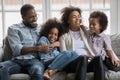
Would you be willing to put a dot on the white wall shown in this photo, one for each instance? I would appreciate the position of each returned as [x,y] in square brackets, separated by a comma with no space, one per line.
[119,16]
[115,18]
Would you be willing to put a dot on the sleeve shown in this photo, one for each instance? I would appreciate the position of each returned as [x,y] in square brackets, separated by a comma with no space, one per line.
[14,41]
[107,43]
[62,44]
[43,40]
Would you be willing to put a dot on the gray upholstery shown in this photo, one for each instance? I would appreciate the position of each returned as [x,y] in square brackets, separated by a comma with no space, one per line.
[110,75]
[20,77]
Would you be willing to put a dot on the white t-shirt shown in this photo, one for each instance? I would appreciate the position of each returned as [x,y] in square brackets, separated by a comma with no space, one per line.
[78,44]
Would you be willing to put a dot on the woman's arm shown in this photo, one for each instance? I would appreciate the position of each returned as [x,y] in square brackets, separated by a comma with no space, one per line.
[56,44]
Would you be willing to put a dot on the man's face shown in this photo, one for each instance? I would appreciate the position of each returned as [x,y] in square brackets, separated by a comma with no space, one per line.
[30,18]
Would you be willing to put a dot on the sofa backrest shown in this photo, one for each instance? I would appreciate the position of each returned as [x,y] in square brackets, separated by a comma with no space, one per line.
[115,42]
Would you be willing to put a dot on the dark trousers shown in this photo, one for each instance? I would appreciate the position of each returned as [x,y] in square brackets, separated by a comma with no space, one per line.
[108,63]
[81,66]
[78,67]
[96,65]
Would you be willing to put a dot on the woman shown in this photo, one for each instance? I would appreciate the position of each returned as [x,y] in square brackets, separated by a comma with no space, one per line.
[75,38]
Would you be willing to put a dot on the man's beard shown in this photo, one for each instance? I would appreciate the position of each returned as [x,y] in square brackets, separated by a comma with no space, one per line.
[29,25]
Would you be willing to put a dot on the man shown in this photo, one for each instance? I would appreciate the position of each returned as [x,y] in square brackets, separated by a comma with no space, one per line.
[22,38]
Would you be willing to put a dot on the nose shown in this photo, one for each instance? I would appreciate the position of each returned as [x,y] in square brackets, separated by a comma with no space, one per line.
[91,26]
[35,18]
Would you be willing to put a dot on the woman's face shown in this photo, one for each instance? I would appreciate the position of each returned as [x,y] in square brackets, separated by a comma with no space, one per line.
[53,35]
[94,25]
[74,20]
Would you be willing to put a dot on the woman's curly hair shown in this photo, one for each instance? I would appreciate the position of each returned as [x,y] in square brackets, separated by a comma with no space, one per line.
[66,11]
[50,24]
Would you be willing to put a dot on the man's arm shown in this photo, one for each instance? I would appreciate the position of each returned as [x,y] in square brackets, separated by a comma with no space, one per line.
[41,48]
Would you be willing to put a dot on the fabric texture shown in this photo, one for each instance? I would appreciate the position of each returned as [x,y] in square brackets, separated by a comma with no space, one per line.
[115,40]
[47,56]
[6,50]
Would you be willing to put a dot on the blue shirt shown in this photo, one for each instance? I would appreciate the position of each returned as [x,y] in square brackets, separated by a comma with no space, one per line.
[47,56]
[20,35]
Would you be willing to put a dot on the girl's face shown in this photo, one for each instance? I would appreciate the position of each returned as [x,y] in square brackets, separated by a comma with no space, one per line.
[74,20]
[94,25]
[53,35]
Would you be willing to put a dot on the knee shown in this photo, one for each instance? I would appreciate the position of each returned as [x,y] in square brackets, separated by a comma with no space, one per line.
[83,57]
[36,69]
[70,54]
[2,67]
[98,59]
[67,54]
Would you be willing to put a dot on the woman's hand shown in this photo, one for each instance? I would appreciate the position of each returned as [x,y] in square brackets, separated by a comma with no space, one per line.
[56,44]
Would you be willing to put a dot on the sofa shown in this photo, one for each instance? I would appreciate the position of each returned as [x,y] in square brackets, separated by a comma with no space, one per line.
[5,54]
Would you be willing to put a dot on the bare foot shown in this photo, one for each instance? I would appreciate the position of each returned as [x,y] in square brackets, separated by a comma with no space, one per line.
[46,75]
[52,72]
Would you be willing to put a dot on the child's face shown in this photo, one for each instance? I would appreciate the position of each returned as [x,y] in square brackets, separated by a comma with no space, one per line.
[53,35]
[94,25]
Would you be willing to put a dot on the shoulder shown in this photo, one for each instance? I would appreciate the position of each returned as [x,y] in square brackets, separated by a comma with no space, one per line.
[16,26]
[105,36]
[66,35]
[43,38]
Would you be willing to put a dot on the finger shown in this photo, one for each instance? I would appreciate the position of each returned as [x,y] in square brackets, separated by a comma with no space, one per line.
[113,62]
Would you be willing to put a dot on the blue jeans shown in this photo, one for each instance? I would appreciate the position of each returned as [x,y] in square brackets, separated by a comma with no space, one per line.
[63,59]
[33,67]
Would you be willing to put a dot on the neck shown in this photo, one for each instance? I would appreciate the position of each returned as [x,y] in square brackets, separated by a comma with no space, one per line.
[74,28]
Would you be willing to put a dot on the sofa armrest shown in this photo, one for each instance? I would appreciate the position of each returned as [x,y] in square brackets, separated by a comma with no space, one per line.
[1,53]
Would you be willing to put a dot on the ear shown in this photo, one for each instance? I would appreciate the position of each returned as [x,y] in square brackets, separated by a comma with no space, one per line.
[23,17]
[68,21]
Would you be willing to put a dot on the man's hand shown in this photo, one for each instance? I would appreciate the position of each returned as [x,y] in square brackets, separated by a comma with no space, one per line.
[44,48]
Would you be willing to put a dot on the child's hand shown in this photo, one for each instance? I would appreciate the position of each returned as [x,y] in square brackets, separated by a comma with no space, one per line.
[118,62]
[115,62]
[90,56]
[56,44]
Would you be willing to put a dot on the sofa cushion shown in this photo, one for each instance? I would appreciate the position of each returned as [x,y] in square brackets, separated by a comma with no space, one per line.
[112,75]
[71,76]
[59,76]
[20,77]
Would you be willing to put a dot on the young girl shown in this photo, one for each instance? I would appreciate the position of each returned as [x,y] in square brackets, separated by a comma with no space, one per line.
[54,60]
[101,42]
[49,34]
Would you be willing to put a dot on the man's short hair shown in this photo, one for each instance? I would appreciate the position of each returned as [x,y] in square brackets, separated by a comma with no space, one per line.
[25,8]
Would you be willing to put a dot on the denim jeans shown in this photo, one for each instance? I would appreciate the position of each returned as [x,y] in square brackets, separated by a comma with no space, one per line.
[33,67]
[63,59]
